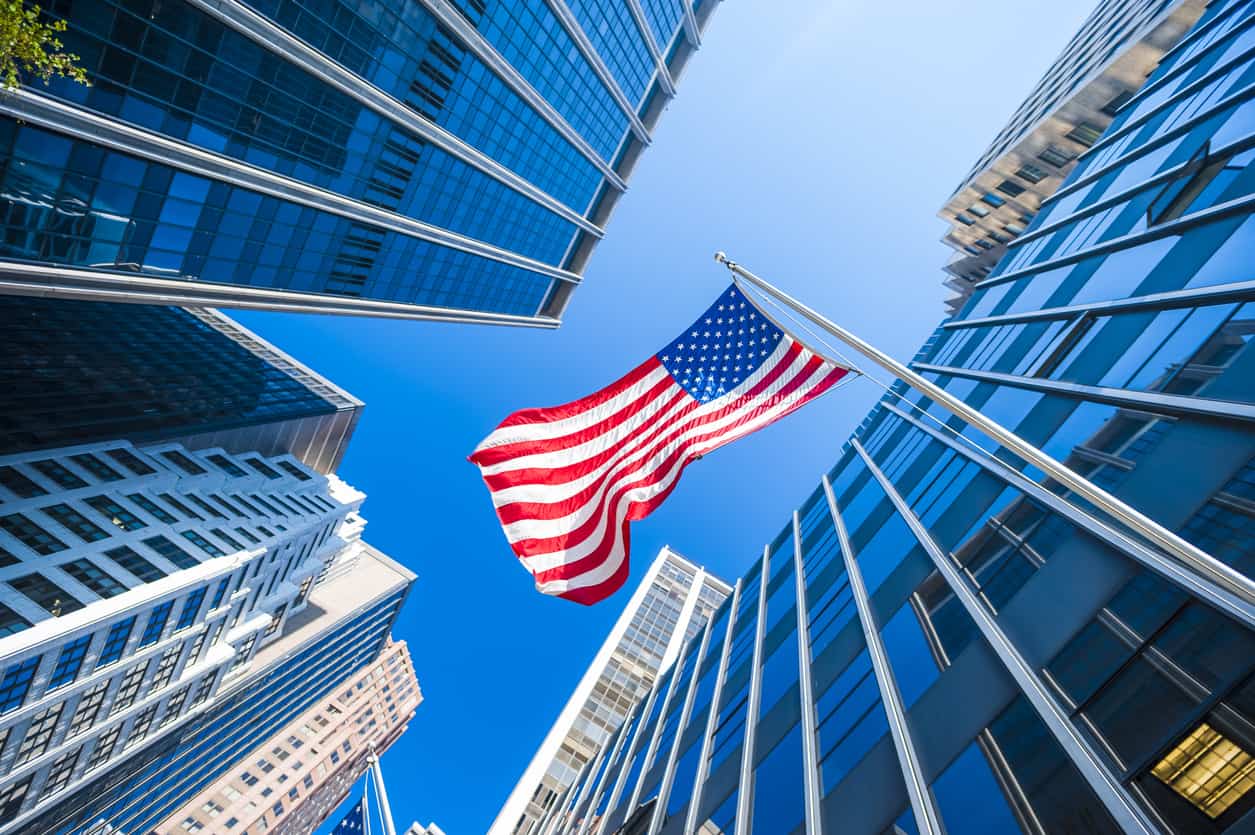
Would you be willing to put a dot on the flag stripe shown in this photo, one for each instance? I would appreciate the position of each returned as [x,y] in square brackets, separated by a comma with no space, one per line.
[568,481]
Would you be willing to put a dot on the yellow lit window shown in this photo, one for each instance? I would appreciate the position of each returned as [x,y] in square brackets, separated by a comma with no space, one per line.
[1208,769]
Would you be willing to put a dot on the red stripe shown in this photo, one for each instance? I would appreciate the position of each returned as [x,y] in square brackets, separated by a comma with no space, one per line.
[613,491]
[548,414]
[516,511]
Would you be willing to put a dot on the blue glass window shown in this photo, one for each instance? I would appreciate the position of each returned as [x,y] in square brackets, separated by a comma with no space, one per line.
[115,642]
[191,607]
[69,662]
[156,623]
[16,682]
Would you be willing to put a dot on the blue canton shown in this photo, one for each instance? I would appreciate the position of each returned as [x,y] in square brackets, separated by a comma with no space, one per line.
[726,345]
[352,822]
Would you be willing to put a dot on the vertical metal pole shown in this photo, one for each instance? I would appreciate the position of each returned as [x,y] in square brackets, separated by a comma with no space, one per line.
[744,800]
[1114,796]
[703,762]
[633,748]
[620,738]
[1199,560]
[927,817]
[809,720]
[385,810]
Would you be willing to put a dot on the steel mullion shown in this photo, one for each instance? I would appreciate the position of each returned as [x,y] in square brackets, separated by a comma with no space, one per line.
[632,750]
[809,721]
[1172,571]
[1114,796]
[652,751]
[927,815]
[703,764]
[744,801]
[668,774]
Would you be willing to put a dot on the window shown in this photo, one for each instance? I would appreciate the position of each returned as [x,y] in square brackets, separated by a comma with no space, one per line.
[96,467]
[56,600]
[202,543]
[76,523]
[293,470]
[38,734]
[227,506]
[174,553]
[16,683]
[135,564]
[247,535]
[304,590]
[129,688]
[152,508]
[69,663]
[221,534]
[31,535]
[978,210]
[115,642]
[260,466]
[61,772]
[1032,173]
[204,689]
[156,623]
[243,502]
[165,668]
[19,484]
[219,593]
[207,507]
[1085,134]
[191,825]
[11,622]
[116,513]
[226,465]
[1055,157]
[180,507]
[131,461]
[993,199]
[88,707]
[242,655]
[87,573]
[248,779]
[104,747]
[191,607]
[1112,107]
[273,509]
[139,729]
[964,219]
[1011,188]
[59,474]
[275,621]
[174,706]
[184,463]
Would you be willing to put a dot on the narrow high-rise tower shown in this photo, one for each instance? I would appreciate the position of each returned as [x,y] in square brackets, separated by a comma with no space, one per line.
[441,159]
[671,605]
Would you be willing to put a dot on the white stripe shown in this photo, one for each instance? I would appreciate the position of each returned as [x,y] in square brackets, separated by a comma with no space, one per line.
[607,568]
[545,562]
[557,428]
[545,528]
[574,455]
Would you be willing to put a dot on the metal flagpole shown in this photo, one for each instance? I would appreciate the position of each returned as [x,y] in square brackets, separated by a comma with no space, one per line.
[1237,593]
[385,810]
[366,806]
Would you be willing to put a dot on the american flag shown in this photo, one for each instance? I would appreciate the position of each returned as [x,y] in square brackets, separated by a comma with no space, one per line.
[567,480]
[351,824]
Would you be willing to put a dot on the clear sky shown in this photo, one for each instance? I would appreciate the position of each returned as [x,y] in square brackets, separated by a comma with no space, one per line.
[814,141]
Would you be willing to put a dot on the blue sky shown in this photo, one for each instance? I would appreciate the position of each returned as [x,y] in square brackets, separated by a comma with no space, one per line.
[815,145]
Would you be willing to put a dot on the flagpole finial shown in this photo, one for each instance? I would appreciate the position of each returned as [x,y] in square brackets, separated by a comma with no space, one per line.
[722,258]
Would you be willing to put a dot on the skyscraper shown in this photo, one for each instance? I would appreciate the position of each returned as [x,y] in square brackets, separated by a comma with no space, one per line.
[444,159]
[160,617]
[671,604]
[940,639]
[75,372]
[1100,69]
[292,781]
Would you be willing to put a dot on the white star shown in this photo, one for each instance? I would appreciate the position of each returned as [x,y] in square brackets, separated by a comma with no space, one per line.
[664,359]
[708,320]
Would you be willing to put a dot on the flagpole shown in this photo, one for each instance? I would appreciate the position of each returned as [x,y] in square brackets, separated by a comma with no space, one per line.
[381,793]
[1236,592]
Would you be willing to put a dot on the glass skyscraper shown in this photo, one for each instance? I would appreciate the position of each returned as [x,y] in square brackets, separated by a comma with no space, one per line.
[447,159]
[76,372]
[942,640]
[674,600]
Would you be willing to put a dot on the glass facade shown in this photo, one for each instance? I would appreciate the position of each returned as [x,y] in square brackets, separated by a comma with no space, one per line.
[74,372]
[941,638]
[417,158]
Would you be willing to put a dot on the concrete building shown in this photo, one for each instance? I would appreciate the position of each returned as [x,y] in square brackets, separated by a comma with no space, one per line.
[291,782]
[159,616]
[74,372]
[434,159]
[1099,70]
[940,639]
[670,606]
[429,829]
